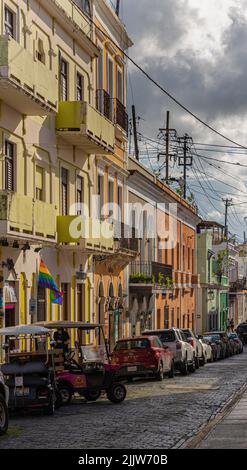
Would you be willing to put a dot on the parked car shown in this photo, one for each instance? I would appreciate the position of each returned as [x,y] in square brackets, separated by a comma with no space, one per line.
[215,337]
[228,347]
[143,356]
[238,343]
[183,352]
[215,344]
[241,330]
[195,343]
[4,397]
[207,350]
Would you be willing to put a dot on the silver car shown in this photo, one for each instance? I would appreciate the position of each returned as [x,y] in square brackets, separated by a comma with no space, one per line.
[4,398]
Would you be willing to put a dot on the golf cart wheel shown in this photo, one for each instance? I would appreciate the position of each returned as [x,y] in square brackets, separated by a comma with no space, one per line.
[3,416]
[116,393]
[92,396]
[65,393]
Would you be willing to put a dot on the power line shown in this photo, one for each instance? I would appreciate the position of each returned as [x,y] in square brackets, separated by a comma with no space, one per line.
[151,79]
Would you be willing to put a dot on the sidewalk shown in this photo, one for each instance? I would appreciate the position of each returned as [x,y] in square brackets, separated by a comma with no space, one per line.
[231,432]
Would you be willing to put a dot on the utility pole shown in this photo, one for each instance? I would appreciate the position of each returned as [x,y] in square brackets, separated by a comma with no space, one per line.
[165,134]
[228,203]
[167,144]
[185,161]
[117,7]
[135,132]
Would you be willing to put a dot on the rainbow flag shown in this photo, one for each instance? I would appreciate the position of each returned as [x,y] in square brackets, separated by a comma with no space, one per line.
[47,282]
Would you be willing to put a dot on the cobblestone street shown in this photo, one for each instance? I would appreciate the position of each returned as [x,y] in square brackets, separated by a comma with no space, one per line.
[154,415]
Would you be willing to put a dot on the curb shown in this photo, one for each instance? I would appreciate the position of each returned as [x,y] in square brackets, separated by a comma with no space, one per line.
[196,438]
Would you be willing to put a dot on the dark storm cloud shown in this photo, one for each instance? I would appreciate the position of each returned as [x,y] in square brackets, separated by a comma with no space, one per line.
[215,88]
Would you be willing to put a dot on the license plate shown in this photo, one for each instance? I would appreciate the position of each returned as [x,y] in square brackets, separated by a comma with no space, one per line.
[19,381]
[22,392]
[132,369]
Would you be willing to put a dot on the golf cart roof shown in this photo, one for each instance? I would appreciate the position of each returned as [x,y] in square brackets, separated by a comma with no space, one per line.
[53,325]
[24,330]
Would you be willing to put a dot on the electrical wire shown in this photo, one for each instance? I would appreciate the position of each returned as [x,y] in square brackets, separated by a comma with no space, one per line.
[167,93]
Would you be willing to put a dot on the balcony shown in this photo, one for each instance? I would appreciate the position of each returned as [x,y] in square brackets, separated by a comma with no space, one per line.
[125,239]
[82,125]
[74,19]
[157,276]
[26,85]
[89,234]
[21,215]
[121,117]
[104,104]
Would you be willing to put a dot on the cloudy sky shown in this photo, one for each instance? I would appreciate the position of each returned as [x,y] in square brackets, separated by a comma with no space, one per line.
[197,50]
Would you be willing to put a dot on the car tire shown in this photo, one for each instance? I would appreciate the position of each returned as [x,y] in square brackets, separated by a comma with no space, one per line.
[3,416]
[197,362]
[192,366]
[203,361]
[184,368]
[170,374]
[50,409]
[92,396]
[66,394]
[116,393]
[160,374]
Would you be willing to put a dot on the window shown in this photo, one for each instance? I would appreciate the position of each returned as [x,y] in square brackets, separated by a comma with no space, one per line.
[41,304]
[178,256]
[64,80]
[120,202]
[65,309]
[84,5]
[120,86]
[100,71]
[41,52]
[100,195]
[80,302]
[79,194]
[110,84]
[188,259]
[79,87]
[9,165]
[9,22]
[110,197]
[39,183]
[64,191]
[132,344]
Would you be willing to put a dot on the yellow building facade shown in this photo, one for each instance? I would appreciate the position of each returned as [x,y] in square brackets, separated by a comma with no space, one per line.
[63,138]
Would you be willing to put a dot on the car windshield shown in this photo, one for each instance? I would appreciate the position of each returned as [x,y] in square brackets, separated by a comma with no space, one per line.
[187,333]
[164,336]
[212,338]
[132,344]
[233,335]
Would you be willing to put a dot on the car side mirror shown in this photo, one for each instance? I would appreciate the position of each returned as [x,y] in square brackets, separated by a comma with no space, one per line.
[166,347]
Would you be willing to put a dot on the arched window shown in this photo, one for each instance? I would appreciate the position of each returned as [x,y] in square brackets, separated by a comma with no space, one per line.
[111,290]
